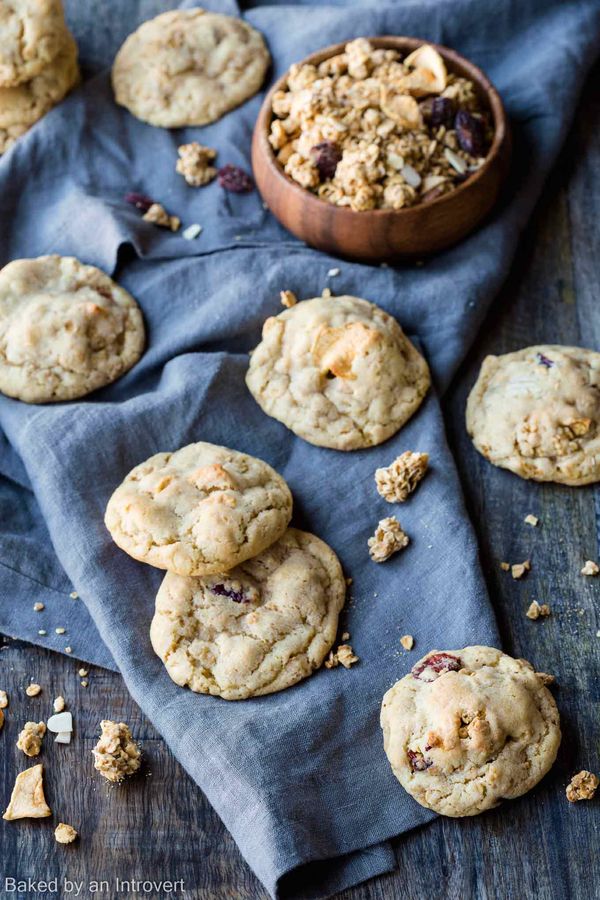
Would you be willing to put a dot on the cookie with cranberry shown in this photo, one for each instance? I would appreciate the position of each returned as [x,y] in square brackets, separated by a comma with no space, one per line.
[259,628]
[537,413]
[469,728]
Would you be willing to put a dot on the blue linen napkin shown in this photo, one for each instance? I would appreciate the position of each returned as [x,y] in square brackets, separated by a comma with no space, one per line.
[299,777]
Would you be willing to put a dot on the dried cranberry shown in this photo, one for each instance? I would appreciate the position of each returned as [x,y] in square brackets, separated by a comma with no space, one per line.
[326,155]
[418,763]
[437,111]
[236,596]
[234,179]
[140,201]
[544,361]
[470,133]
[435,665]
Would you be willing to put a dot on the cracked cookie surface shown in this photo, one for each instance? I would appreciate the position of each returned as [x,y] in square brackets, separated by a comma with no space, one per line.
[469,728]
[189,67]
[537,413]
[199,510]
[65,329]
[33,32]
[259,628]
[21,106]
[338,371]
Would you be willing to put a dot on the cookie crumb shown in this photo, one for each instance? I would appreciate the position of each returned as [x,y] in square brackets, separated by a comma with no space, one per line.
[346,636]
[84,683]
[333,273]
[27,800]
[536,610]
[387,540]
[3,699]
[82,673]
[74,595]
[401,477]
[407,641]
[194,164]
[32,690]
[158,215]
[531,520]
[344,655]
[192,231]
[60,630]
[30,738]
[42,632]
[348,582]
[38,607]
[64,834]
[518,570]
[326,293]
[116,755]
[288,299]
[590,568]
[59,704]
[545,678]
[68,649]
[505,566]
[582,786]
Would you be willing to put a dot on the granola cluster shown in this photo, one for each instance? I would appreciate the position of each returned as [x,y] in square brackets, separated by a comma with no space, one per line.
[400,478]
[582,786]
[30,738]
[368,129]
[195,163]
[388,539]
[116,755]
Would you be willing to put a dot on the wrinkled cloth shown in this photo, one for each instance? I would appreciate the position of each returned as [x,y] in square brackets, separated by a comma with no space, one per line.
[299,777]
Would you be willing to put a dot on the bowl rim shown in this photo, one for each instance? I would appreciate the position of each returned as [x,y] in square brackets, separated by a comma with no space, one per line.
[407,43]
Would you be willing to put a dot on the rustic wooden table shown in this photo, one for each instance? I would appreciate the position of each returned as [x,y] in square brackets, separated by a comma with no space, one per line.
[161,827]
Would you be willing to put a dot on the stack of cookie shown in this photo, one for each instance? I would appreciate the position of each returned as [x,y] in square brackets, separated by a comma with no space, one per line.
[248,606]
[38,64]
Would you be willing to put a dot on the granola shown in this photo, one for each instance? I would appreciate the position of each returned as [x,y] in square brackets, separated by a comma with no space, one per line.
[158,215]
[537,610]
[344,655]
[116,755]
[407,641]
[369,129]
[194,163]
[32,690]
[30,738]
[401,477]
[387,540]
[582,786]
[64,834]
[519,570]
[590,568]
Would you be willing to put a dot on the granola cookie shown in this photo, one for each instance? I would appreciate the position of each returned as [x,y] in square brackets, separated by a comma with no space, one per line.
[260,628]
[199,510]
[338,371]
[65,329]
[537,413]
[189,67]
[33,32]
[21,106]
[469,728]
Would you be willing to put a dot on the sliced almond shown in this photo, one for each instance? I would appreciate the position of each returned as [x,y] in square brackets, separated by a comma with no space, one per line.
[60,722]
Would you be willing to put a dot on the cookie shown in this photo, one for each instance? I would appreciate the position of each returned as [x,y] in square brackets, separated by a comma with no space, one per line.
[33,32]
[189,67]
[469,728]
[259,628]
[199,510]
[65,329]
[23,105]
[537,413]
[338,371]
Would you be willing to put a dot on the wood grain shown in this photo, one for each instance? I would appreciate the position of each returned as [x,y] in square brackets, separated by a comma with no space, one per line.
[160,826]
[382,234]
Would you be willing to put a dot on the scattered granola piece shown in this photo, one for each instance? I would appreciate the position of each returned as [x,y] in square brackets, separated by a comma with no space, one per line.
[518,570]
[158,215]
[326,293]
[590,568]
[348,582]
[194,163]
[3,699]
[401,477]
[288,298]
[83,672]
[344,655]
[42,632]
[333,273]
[30,738]
[191,232]
[27,800]
[388,539]
[68,649]
[536,610]
[32,690]
[116,755]
[545,678]
[38,607]
[346,636]
[59,704]
[65,834]
[531,520]
[84,683]
[582,786]
[505,566]
[74,595]
[60,630]
[407,641]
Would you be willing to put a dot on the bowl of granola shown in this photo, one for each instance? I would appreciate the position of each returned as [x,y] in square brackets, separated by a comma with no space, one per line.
[381,148]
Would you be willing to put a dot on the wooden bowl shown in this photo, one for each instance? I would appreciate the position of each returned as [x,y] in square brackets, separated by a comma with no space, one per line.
[379,234]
